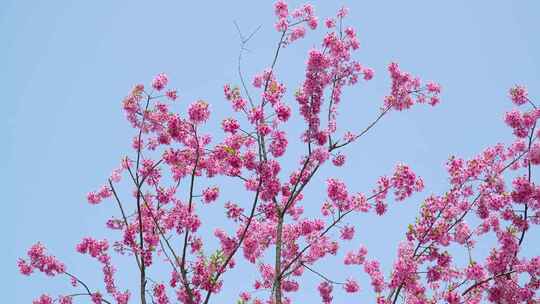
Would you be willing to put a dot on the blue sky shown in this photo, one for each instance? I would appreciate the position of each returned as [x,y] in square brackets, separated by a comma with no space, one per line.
[66,65]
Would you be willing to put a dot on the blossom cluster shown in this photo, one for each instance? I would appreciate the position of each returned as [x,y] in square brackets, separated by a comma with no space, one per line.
[174,172]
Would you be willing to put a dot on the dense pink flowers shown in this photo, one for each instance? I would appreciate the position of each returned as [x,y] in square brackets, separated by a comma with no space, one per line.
[405,182]
[210,194]
[534,154]
[171,94]
[278,144]
[43,299]
[337,190]
[518,94]
[199,111]
[325,290]
[407,90]
[356,258]
[164,186]
[351,286]
[233,95]
[230,125]
[372,268]
[65,300]
[160,82]
[98,250]
[160,294]
[347,232]
[339,160]
[522,122]
[40,260]
[291,23]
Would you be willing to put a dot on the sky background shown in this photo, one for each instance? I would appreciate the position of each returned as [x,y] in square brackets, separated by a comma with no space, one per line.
[66,65]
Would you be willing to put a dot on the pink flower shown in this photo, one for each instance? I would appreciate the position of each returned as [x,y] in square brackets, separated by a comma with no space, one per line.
[368,73]
[38,259]
[339,160]
[325,290]
[356,258]
[230,125]
[281,9]
[24,267]
[337,191]
[96,298]
[313,21]
[44,299]
[93,198]
[534,154]
[297,33]
[343,12]
[105,192]
[433,87]
[475,272]
[160,294]
[407,90]
[123,297]
[351,286]
[283,111]
[504,208]
[171,94]
[199,111]
[330,23]
[518,95]
[278,144]
[281,25]
[347,232]
[372,268]
[116,175]
[65,300]
[405,182]
[210,194]
[160,81]
[233,211]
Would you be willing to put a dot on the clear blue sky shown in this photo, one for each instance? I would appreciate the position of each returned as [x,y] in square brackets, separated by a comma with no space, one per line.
[65,66]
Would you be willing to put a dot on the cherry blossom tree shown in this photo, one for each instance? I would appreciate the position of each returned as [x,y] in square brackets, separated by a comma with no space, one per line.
[491,196]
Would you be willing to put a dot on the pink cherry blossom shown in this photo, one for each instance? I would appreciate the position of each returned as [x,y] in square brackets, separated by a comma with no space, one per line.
[160,82]
[467,243]
[210,194]
[518,94]
[351,286]
[199,111]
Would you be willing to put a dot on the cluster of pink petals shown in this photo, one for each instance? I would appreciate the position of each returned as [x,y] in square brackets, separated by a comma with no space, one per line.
[407,90]
[291,23]
[43,299]
[351,286]
[481,204]
[522,122]
[210,194]
[174,159]
[518,94]
[199,111]
[160,81]
[325,290]
[98,249]
[40,260]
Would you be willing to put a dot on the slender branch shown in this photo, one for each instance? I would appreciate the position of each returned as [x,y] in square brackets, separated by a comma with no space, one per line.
[321,275]
[334,223]
[123,217]
[485,281]
[141,238]
[88,292]
[240,241]
[186,235]
[371,125]
[243,42]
